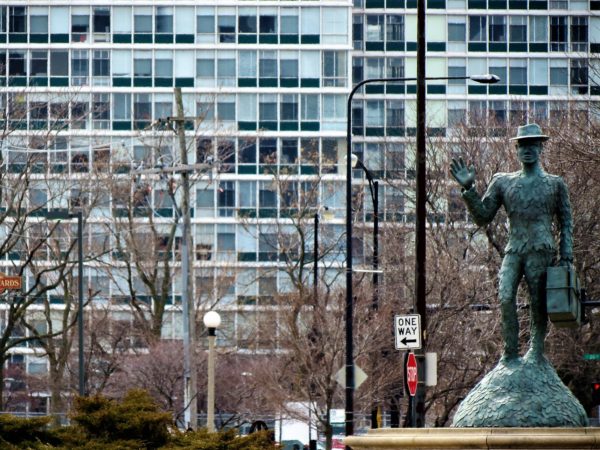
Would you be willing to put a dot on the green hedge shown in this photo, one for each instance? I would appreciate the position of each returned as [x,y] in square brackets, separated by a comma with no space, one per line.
[133,423]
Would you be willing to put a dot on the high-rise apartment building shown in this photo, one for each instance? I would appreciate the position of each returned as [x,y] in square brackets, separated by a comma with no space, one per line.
[268,82]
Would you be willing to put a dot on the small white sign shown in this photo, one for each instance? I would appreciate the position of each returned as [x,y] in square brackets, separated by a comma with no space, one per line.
[408,331]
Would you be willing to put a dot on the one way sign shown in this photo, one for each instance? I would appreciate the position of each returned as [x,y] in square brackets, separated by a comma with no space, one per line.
[408,331]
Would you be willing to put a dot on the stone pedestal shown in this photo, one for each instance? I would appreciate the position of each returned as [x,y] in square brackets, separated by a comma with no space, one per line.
[477,438]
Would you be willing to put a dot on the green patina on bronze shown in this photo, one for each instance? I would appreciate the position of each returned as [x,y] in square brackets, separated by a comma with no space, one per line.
[522,391]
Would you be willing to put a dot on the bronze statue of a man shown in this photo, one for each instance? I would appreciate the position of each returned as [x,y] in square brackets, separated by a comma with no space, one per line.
[534,201]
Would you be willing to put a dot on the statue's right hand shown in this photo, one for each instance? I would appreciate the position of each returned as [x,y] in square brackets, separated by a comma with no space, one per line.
[465,176]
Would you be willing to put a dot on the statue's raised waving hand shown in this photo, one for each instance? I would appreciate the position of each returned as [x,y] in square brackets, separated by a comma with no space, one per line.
[465,176]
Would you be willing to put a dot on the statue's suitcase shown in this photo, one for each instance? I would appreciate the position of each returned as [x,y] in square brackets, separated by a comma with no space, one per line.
[562,297]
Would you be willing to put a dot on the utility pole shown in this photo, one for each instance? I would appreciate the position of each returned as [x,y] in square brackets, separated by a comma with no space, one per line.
[421,201]
[187,301]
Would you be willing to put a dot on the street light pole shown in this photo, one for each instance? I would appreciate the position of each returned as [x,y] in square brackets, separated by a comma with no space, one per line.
[79,216]
[349,358]
[374,190]
[211,320]
[62,214]
[187,303]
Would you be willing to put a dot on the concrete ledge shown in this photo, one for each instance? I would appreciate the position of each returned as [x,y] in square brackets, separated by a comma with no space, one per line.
[477,438]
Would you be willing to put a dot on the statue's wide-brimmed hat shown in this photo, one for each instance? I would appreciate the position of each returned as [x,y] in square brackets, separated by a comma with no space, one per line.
[530,131]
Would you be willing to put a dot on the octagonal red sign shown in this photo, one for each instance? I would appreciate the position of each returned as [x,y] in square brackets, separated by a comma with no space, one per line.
[411,374]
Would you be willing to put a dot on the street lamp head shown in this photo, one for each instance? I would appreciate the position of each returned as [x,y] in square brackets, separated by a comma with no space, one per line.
[354,160]
[487,78]
[212,319]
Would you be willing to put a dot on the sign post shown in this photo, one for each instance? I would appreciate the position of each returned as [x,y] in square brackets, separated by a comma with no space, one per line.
[412,380]
[408,332]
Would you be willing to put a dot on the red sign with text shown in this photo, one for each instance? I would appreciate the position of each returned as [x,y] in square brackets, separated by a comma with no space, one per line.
[411,374]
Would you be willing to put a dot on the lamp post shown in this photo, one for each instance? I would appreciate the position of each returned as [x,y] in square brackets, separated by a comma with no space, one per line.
[349,358]
[211,320]
[374,190]
[79,215]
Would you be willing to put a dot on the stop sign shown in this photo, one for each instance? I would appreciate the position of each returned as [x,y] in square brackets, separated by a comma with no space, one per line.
[411,374]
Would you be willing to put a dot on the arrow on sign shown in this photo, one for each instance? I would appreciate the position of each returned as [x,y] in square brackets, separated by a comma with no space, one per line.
[406,341]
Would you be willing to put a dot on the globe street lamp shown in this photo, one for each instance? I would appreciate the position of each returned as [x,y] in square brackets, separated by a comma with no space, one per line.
[211,320]
[349,357]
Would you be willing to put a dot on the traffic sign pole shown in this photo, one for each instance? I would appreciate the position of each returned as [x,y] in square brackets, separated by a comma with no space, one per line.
[411,382]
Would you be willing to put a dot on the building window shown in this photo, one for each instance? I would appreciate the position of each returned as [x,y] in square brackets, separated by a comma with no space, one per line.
[374,116]
[79,67]
[289,152]
[226,198]
[477,28]
[310,107]
[559,4]
[226,108]
[334,68]
[357,31]
[267,195]
[142,23]
[142,110]
[559,77]
[226,26]
[518,29]
[335,25]
[267,108]
[101,22]
[497,112]
[226,69]
[538,29]
[289,66]
[395,67]
[247,22]
[457,113]
[205,68]
[538,72]
[518,112]
[457,68]
[394,29]
[142,66]
[17,19]
[579,33]
[39,64]
[80,27]
[39,23]
[59,63]
[268,64]
[164,20]
[289,22]
[497,29]
[122,106]
[375,67]
[558,33]
[289,108]
[101,67]
[457,29]
[375,27]
[163,64]
[268,24]
[205,27]
[225,241]
[579,76]
[394,113]
[517,72]
[101,111]
[79,114]
[267,153]
[358,70]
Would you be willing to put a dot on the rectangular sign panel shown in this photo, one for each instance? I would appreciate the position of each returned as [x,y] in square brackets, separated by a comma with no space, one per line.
[408,331]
